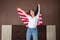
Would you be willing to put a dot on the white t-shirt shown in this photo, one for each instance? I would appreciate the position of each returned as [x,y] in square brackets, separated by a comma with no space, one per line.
[32,21]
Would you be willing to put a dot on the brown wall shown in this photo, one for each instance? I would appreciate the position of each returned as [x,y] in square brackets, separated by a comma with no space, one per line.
[9,15]
[50,11]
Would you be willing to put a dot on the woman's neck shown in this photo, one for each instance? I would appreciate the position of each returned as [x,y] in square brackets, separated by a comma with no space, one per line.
[33,16]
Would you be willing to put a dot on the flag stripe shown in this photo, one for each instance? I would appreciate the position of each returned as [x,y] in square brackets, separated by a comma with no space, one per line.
[25,19]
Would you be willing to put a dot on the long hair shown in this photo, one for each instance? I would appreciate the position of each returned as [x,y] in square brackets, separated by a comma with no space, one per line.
[30,10]
[35,12]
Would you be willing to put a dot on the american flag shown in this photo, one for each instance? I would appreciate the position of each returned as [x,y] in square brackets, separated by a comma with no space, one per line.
[25,19]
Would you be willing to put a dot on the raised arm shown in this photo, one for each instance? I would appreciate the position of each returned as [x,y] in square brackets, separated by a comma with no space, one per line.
[38,14]
[19,9]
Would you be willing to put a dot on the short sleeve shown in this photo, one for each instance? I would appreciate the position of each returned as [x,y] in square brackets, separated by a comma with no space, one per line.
[37,16]
[28,16]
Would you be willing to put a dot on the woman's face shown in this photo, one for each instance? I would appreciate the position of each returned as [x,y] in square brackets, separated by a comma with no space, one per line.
[31,12]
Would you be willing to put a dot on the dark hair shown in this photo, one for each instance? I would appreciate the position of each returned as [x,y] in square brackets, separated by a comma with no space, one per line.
[30,10]
[36,11]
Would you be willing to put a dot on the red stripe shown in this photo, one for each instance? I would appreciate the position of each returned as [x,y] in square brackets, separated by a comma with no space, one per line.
[40,16]
[24,19]
[20,13]
[40,20]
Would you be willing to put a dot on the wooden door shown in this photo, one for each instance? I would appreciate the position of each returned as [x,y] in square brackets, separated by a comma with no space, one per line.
[19,32]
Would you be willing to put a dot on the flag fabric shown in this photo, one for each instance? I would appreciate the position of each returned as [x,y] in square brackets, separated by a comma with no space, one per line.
[25,19]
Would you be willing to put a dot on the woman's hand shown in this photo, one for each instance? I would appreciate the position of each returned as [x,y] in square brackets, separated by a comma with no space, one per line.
[18,9]
[38,5]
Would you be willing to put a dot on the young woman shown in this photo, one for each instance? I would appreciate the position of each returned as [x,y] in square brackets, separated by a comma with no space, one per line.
[32,24]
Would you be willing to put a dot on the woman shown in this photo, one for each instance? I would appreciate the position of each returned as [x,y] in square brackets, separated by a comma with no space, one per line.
[32,24]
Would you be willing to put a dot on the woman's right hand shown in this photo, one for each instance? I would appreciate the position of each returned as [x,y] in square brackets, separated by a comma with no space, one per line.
[18,9]
[38,5]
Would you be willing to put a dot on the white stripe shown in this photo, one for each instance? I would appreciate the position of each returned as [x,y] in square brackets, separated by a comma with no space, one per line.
[6,32]
[20,16]
[24,17]
[40,18]
[25,22]
[40,22]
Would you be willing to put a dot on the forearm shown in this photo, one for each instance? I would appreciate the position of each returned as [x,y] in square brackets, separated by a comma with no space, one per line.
[38,10]
[19,9]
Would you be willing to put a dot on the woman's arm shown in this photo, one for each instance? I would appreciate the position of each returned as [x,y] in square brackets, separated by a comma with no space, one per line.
[38,10]
[19,9]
